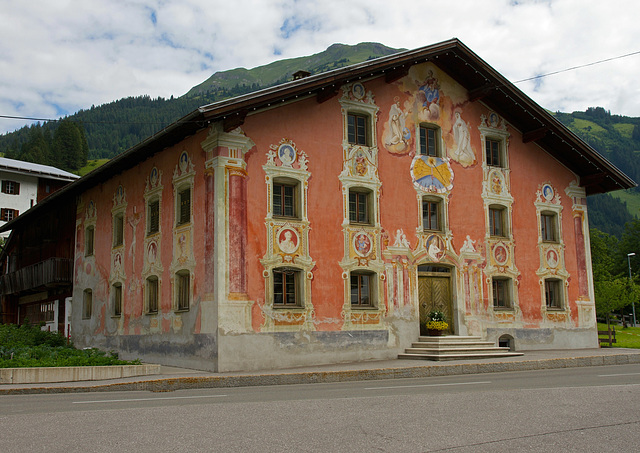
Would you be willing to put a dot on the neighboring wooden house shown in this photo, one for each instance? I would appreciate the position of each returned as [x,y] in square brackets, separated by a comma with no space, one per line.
[36,261]
[320,220]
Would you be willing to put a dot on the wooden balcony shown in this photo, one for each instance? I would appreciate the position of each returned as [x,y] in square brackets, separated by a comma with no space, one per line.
[49,273]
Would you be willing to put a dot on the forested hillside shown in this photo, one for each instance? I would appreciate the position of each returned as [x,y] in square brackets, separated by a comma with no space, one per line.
[105,131]
[114,127]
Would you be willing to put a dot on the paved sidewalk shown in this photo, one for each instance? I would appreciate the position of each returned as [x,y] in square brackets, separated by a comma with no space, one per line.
[171,378]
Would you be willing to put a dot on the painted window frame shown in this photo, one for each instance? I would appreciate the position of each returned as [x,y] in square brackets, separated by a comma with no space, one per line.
[424,140]
[503,222]
[118,229]
[495,158]
[184,214]
[182,290]
[504,285]
[554,286]
[89,240]
[287,273]
[363,196]
[549,223]
[361,276]
[152,308]
[280,184]
[358,139]
[438,203]
[153,216]
[117,299]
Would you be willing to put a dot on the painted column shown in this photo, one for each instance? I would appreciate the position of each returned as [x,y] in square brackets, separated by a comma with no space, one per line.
[237,231]
[209,235]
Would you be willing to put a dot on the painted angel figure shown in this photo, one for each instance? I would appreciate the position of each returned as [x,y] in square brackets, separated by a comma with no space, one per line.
[462,152]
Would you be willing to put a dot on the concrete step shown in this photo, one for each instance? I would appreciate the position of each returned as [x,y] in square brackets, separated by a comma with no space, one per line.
[443,357]
[449,338]
[452,344]
[457,351]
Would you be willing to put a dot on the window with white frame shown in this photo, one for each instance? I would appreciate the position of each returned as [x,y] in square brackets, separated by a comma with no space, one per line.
[152,294]
[362,286]
[118,229]
[153,216]
[183,206]
[358,126]
[10,187]
[429,141]
[287,287]
[494,152]
[182,290]
[432,214]
[549,226]
[498,221]
[501,289]
[553,293]
[360,206]
[8,214]
[116,298]
[89,237]
[286,198]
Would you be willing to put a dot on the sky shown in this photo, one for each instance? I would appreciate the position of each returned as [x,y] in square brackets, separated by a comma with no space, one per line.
[58,57]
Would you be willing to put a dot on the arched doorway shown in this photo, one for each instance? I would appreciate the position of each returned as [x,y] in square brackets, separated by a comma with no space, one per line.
[435,293]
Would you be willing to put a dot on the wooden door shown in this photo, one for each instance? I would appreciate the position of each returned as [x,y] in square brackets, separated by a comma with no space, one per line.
[435,294]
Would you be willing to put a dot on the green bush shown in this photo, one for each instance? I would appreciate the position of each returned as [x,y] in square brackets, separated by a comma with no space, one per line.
[29,346]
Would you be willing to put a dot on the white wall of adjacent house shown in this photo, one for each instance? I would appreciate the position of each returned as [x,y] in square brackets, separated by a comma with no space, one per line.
[18,192]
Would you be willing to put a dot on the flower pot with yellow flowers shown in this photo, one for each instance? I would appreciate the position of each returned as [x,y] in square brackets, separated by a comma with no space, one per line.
[436,323]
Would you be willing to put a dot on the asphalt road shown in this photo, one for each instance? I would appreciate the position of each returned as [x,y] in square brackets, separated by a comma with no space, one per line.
[592,409]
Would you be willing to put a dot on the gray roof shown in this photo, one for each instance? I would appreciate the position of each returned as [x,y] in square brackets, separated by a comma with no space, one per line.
[45,171]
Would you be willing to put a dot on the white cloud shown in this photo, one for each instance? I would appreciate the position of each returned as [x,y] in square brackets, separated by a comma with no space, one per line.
[68,55]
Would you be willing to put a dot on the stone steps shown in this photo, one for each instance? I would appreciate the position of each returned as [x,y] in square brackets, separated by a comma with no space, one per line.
[454,347]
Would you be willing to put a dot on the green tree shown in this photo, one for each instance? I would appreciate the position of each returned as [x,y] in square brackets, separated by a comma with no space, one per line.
[70,146]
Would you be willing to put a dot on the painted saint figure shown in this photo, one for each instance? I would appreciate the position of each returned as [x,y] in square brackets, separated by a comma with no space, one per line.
[462,153]
[287,244]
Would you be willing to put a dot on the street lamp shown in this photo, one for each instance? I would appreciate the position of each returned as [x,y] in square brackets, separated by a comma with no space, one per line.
[633,305]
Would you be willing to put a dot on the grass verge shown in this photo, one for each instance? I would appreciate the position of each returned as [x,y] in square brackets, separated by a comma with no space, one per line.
[626,337]
[29,346]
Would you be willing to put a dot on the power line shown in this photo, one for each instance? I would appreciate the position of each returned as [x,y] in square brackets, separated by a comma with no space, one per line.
[11,117]
[577,67]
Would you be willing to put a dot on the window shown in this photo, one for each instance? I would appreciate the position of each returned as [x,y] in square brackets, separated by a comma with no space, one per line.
[11,187]
[357,130]
[116,296]
[553,294]
[183,290]
[87,303]
[431,214]
[88,241]
[501,293]
[494,155]
[359,206]
[361,289]
[152,294]
[284,200]
[118,229]
[497,221]
[286,287]
[8,214]
[548,226]
[184,206]
[153,217]
[428,142]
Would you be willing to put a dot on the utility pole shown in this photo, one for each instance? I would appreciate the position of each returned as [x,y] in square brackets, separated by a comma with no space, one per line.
[633,302]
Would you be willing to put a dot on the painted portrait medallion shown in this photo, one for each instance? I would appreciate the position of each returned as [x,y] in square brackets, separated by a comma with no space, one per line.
[547,192]
[358,91]
[184,161]
[286,154]
[500,254]
[152,252]
[153,177]
[288,240]
[552,258]
[362,244]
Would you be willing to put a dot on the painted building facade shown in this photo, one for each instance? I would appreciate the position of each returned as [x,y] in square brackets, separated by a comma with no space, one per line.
[319,221]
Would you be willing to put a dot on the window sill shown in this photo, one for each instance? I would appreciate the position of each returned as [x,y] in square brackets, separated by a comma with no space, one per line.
[364,308]
[151,313]
[288,307]
[181,310]
[555,309]
[286,217]
[503,309]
